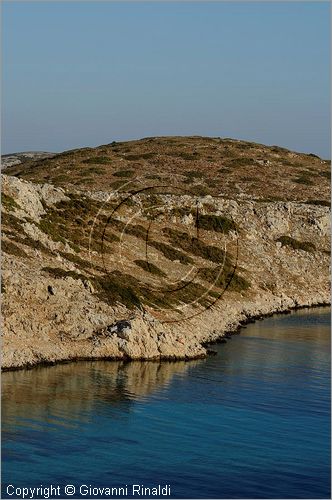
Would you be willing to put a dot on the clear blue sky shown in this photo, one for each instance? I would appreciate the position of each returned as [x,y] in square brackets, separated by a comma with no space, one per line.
[87,73]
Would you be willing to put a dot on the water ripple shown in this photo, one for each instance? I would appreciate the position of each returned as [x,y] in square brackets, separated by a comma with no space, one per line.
[251,422]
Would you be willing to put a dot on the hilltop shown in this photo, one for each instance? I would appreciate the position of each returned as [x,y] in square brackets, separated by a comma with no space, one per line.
[151,249]
[201,165]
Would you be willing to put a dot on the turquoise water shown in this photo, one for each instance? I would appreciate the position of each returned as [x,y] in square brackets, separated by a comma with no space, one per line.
[251,422]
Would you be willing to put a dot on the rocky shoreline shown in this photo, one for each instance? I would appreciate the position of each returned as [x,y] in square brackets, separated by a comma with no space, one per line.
[206,345]
[135,272]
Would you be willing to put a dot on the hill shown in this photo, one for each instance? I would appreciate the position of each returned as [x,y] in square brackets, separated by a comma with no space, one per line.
[219,167]
[153,248]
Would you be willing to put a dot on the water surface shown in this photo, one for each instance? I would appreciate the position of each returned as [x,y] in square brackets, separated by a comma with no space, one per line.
[251,422]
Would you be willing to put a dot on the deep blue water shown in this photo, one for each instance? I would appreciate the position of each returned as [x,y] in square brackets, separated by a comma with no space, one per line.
[251,422]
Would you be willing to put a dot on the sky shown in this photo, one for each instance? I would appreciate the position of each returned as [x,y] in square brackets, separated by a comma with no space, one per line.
[78,74]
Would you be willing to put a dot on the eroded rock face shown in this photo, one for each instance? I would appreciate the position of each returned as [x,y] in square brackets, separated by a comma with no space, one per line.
[31,197]
[54,309]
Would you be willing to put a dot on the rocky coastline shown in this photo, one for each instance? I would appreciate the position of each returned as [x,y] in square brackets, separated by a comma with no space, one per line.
[77,283]
[237,320]
[206,345]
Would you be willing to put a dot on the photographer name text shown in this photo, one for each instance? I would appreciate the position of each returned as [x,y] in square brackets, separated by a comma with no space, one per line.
[89,491]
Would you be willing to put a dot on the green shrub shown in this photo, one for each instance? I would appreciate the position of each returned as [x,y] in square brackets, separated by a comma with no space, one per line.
[224,170]
[95,170]
[51,229]
[118,184]
[188,156]
[151,200]
[11,221]
[140,156]
[118,287]
[326,174]
[57,272]
[170,252]
[8,202]
[181,211]
[307,246]
[124,173]
[240,162]
[136,230]
[154,177]
[189,292]
[211,183]
[84,180]
[194,246]
[10,248]
[194,174]
[216,223]
[304,178]
[98,160]
[224,276]
[149,267]
[323,203]
[110,237]
[61,178]
[30,242]
[85,264]
[200,190]
[116,224]
[278,149]
[70,220]
[249,179]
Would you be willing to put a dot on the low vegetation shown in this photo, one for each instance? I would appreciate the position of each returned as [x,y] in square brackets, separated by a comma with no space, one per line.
[192,175]
[200,190]
[218,223]
[124,173]
[10,248]
[141,156]
[32,243]
[224,277]
[305,178]
[8,202]
[98,160]
[125,289]
[326,174]
[224,168]
[194,246]
[57,272]
[117,287]
[323,203]
[209,165]
[9,220]
[149,267]
[239,162]
[171,253]
[71,222]
[288,241]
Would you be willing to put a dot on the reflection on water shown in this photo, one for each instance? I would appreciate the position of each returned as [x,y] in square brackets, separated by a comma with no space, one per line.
[251,422]
[70,392]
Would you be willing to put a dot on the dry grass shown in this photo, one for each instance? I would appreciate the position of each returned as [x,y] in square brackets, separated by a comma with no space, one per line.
[200,164]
